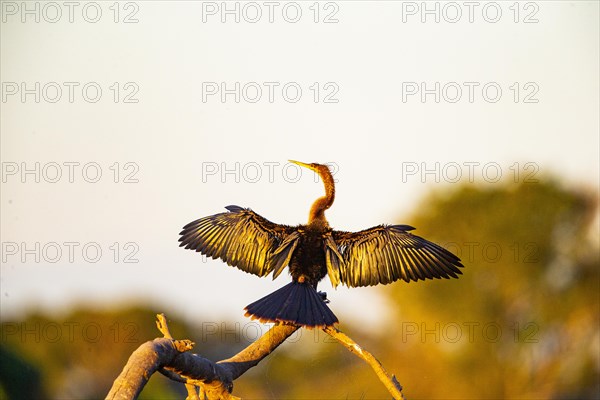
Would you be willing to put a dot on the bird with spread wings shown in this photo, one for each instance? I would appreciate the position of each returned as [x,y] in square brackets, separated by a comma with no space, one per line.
[382,254]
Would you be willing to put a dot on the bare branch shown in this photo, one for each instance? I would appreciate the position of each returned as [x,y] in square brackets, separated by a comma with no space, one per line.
[389,381]
[144,361]
[258,350]
[206,379]
[163,327]
[170,357]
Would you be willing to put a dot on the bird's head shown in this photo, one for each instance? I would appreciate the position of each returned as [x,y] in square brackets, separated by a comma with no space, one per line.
[318,208]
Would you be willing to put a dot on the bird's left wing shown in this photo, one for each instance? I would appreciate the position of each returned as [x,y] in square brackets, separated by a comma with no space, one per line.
[240,237]
[384,254]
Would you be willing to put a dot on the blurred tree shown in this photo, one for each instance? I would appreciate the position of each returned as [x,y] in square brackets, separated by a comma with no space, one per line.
[522,322]
[79,355]
[18,378]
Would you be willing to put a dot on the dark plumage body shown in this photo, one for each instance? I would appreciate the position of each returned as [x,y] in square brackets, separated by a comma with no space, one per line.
[382,254]
[308,261]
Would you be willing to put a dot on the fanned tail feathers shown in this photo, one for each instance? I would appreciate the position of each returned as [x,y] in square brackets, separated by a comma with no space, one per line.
[295,303]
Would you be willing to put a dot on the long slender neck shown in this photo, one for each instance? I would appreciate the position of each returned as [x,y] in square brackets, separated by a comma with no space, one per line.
[317,211]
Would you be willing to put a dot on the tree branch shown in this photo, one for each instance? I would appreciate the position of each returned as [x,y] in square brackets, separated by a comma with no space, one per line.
[171,358]
[389,381]
[144,361]
[215,379]
[161,324]
[255,352]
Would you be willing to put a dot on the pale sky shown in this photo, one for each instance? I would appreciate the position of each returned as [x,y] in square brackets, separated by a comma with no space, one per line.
[151,106]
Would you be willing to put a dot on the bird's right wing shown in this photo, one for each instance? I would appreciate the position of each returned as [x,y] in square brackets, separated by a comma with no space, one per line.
[242,239]
[384,254]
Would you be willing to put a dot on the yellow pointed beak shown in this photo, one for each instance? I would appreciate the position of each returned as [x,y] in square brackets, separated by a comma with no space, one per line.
[302,164]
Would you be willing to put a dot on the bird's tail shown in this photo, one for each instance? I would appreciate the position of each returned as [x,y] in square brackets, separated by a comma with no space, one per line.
[295,303]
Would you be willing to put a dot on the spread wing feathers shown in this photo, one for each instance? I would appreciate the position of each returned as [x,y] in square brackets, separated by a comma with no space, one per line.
[280,258]
[334,261]
[239,237]
[384,254]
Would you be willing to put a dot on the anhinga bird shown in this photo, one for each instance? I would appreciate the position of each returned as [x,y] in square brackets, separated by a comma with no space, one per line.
[382,254]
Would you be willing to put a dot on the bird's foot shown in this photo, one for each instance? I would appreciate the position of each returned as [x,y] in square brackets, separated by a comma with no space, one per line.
[323,297]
